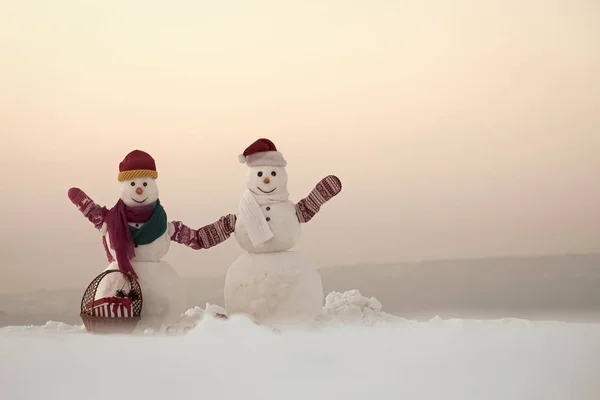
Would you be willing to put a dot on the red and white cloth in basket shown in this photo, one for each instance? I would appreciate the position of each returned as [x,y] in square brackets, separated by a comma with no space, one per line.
[112,307]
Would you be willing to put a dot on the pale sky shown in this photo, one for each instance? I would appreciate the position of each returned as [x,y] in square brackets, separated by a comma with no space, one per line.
[462,128]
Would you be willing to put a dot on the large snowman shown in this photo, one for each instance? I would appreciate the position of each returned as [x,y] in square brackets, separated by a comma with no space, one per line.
[270,283]
[138,232]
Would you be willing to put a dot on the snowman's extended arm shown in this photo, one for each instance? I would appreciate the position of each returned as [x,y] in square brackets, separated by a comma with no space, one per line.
[205,237]
[325,190]
[92,211]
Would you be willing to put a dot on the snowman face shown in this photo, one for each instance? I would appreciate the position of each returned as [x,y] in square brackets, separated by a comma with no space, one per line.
[139,192]
[264,181]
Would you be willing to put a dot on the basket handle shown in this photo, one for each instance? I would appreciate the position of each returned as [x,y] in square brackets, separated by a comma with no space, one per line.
[130,279]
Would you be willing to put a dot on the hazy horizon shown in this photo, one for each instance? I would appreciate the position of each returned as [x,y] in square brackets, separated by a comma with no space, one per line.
[459,129]
[465,261]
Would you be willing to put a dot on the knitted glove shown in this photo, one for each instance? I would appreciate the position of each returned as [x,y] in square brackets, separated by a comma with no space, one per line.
[92,211]
[205,237]
[325,190]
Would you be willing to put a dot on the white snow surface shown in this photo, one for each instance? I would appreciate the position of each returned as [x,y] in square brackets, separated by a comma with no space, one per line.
[356,351]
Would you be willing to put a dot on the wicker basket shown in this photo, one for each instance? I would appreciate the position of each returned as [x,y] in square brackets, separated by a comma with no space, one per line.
[110,324]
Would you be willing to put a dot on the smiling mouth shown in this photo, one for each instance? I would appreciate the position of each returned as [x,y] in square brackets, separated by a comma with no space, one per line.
[139,202]
[266,192]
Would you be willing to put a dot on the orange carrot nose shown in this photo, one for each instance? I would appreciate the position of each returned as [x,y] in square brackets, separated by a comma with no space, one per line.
[139,191]
[266,180]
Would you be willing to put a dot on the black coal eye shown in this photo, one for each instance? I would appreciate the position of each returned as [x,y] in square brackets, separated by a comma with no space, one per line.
[132,183]
[145,183]
[259,173]
[273,173]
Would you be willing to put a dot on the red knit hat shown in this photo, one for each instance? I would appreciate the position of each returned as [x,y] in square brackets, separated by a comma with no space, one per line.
[262,153]
[137,164]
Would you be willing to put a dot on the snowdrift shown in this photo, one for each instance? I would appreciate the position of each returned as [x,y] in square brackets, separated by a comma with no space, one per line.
[356,351]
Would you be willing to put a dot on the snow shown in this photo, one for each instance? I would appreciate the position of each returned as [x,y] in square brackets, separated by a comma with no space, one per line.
[274,286]
[356,351]
[352,307]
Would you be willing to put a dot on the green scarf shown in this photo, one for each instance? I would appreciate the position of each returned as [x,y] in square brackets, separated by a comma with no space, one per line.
[151,230]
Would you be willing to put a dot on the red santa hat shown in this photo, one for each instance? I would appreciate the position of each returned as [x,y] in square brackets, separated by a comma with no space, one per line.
[137,164]
[262,153]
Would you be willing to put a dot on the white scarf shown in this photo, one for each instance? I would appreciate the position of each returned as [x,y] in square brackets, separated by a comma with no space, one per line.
[252,217]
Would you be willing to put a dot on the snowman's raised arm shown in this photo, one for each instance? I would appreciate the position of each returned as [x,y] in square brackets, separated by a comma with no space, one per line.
[92,211]
[325,190]
[205,237]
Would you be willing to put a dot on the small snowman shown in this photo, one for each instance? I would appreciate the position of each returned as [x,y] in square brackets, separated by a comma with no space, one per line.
[139,233]
[270,283]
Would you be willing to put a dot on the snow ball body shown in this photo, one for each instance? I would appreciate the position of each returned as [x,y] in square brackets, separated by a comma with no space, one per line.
[271,183]
[162,289]
[274,288]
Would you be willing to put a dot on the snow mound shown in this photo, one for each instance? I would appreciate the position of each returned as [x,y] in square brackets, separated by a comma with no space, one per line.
[188,320]
[353,308]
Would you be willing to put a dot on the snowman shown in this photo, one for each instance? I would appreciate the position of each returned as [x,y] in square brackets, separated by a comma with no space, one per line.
[138,232]
[268,282]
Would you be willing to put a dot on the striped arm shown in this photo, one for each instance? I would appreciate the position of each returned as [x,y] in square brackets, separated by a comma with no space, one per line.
[92,211]
[205,237]
[325,190]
